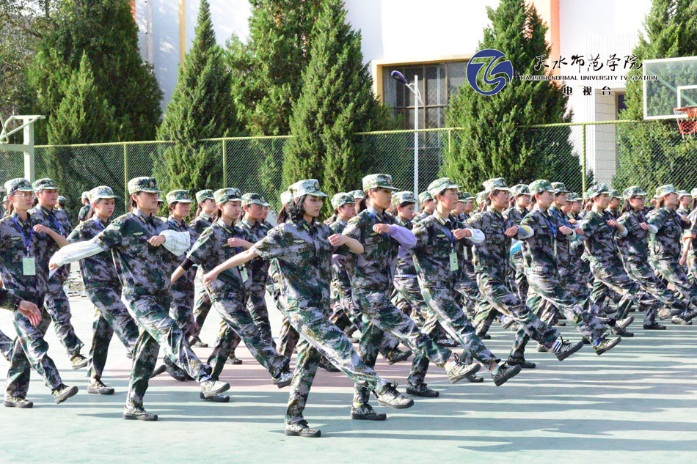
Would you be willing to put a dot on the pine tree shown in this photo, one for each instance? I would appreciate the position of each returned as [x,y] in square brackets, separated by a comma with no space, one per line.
[494,141]
[336,102]
[201,107]
[106,31]
[653,154]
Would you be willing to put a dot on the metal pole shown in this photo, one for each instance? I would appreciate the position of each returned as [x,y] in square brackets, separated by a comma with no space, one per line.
[416,137]
[224,164]
[583,160]
[126,196]
[29,165]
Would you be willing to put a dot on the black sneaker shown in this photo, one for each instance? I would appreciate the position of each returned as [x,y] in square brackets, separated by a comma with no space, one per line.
[485,337]
[566,349]
[97,387]
[422,390]
[366,412]
[197,343]
[137,413]
[606,344]
[17,402]
[301,429]
[326,365]
[283,380]
[689,315]
[63,392]
[213,387]
[458,370]
[677,320]
[397,355]
[79,361]
[521,362]
[654,326]
[504,372]
[622,333]
[390,396]
[473,378]
[215,399]
[232,359]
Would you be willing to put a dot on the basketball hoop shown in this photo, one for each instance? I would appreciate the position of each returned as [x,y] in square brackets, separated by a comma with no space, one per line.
[687,120]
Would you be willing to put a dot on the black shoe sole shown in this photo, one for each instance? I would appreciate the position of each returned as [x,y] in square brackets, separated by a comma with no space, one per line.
[107,392]
[515,370]
[215,399]
[474,379]
[660,327]
[369,417]
[576,347]
[403,357]
[524,364]
[430,394]
[9,404]
[72,391]
[291,433]
[147,418]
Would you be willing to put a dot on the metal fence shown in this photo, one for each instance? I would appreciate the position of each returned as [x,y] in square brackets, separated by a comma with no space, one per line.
[618,152]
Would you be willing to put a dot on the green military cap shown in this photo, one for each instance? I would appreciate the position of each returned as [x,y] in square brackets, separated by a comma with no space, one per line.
[633,191]
[664,190]
[615,194]
[341,199]
[572,196]
[62,200]
[203,195]
[405,196]
[464,196]
[374,181]
[18,185]
[252,199]
[683,193]
[540,186]
[227,194]
[481,196]
[439,185]
[559,187]
[178,196]
[103,191]
[424,197]
[597,189]
[520,189]
[142,184]
[306,187]
[357,195]
[694,192]
[45,184]
[287,197]
[85,195]
[495,184]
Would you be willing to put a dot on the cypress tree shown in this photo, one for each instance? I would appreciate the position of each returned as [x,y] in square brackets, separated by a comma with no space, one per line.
[494,141]
[201,107]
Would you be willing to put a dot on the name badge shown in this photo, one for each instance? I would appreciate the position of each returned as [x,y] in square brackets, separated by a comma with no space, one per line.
[28,266]
[454,266]
[243,274]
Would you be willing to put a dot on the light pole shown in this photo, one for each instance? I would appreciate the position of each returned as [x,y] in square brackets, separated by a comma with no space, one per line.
[414,88]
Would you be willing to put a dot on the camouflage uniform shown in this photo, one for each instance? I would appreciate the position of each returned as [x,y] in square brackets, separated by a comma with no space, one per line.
[228,294]
[666,249]
[82,214]
[203,302]
[30,350]
[514,216]
[56,301]
[5,345]
[104,291]
[371,276]
[692,252]
[302,253]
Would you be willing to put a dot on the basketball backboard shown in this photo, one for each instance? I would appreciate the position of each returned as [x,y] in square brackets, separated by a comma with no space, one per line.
[669,83]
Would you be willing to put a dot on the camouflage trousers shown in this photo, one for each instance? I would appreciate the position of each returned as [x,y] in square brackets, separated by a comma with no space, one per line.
[5,345]
[547,288]
[58,308]
[502,300]
[452,318]
[319,337]
[642,273]
[30,350]
[574,286]
[202,306]
[614,277]
[256,305]
[110,316]
[675,274]
[288,338]
[235,315]
[520,280]
[380,316]
[181,311]
[157,328]
[408,295]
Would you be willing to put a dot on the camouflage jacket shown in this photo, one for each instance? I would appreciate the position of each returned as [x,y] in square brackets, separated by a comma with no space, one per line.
[13,251]
[563,242]
[693,231]
[635,245]
[614,213]
[420,217]
[187,280]
[405,256]
[139,263]
[667,241]
[257,268]
[576,247]
[514,216]
[373,270]
[58,221]
[491,257]
[201,223]
[434,244]
[98,270]
[82,214]
[8,300]
[340,277]
[541,250]
[683,211]
[211,249]
[599,239]
[302,255]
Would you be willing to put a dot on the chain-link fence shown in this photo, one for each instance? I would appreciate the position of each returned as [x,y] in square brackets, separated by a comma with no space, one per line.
[619,152]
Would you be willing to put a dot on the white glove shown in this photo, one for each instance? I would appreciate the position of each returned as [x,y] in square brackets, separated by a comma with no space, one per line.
[75,252]
[177,242]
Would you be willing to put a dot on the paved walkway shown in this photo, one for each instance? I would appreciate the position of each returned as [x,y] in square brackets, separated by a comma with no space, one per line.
[637,403]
